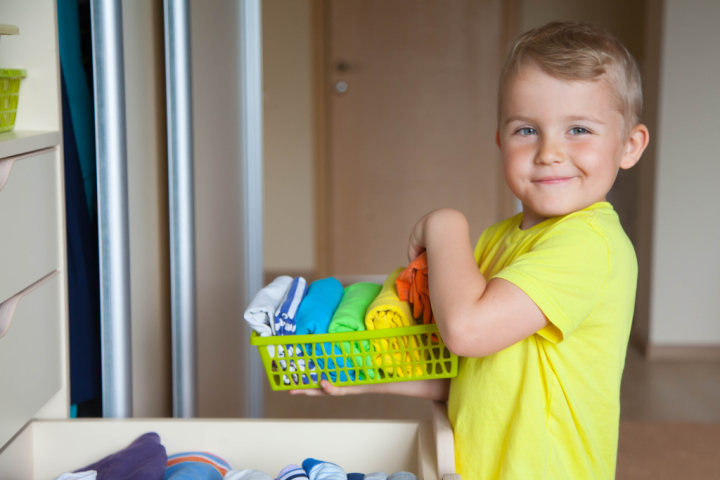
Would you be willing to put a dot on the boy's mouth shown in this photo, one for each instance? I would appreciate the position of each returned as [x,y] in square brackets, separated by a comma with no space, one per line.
[552,180]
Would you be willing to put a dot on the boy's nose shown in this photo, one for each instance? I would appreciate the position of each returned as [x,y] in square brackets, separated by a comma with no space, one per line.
[550,152]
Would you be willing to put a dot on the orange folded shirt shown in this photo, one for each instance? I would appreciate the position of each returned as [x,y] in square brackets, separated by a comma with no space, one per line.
[412,287]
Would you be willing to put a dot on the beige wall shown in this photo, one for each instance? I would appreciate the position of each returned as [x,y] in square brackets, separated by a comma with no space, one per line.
[147,207]
[289,241]
[685,299]
[222,335]
[623,18]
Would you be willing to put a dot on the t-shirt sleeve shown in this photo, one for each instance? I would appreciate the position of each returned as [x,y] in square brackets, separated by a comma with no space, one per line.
[564,273]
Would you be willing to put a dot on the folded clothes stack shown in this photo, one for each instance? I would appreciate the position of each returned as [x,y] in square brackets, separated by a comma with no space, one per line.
[289,306]
[146,458]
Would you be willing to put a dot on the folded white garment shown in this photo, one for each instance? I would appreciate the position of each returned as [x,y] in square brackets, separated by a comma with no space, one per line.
[261,311]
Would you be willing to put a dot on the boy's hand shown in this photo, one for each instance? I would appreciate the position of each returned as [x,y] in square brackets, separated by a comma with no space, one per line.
[418,237]
[327,388]
[416,244]
[436,389]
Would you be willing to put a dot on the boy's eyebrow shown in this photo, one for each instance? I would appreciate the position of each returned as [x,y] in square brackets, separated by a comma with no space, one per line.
[585,118]
[517,119]
[569,119]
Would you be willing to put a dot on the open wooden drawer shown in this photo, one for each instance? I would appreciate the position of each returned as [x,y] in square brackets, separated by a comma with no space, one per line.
[46,448]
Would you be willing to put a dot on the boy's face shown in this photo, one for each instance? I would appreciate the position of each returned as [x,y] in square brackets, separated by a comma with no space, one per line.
[562,142]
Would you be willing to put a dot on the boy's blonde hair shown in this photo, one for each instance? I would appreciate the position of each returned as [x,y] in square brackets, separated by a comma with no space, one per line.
[578,51]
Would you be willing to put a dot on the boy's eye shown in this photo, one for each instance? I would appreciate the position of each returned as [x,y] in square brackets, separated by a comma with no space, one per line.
[578,130]
[527,131]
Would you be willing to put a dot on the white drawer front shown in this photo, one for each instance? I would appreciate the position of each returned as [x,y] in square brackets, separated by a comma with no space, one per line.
[30,357]
[29,243]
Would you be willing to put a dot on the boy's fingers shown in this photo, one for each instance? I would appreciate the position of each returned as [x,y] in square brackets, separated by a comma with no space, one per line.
[310,392]
[327,388]
[331,389]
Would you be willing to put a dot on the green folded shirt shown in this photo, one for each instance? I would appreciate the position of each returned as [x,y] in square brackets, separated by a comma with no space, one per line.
[349,316]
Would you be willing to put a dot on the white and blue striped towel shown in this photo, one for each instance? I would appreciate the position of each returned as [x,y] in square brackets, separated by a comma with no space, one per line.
[284,323]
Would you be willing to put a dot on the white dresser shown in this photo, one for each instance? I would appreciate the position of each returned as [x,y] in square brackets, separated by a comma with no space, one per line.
[33,272]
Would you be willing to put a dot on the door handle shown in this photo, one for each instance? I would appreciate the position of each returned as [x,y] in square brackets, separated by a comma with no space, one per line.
[341,86]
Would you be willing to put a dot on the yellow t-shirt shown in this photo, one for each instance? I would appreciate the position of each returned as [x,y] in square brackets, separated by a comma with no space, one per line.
[548,407]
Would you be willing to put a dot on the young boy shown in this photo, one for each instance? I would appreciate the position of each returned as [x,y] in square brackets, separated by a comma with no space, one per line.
[540,312]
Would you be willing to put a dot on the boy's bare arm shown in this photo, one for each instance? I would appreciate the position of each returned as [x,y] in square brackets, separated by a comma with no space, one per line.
[430,389]
[475,317]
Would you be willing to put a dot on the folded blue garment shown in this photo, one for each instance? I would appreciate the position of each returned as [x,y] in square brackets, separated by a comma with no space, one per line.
[315,313]
[318,306]
[285,316]
[320,470]
[292,472]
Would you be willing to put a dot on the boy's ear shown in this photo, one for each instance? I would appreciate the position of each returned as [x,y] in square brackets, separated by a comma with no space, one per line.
[497,139]
[635,146]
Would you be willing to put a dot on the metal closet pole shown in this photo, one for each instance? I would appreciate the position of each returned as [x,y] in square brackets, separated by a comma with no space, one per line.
[181,209]
[252,155]
[109,78]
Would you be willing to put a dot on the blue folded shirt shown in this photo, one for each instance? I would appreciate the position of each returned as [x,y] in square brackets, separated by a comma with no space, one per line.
[318,306]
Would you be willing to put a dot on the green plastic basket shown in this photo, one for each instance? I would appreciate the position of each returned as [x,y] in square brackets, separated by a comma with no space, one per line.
[9,95]
[355,358]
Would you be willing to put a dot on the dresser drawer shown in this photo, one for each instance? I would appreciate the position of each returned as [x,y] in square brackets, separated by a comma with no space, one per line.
[30,356]
[29,222]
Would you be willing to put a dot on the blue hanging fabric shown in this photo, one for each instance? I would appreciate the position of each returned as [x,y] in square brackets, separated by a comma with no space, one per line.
[83,276]
[79,96]
[80,214]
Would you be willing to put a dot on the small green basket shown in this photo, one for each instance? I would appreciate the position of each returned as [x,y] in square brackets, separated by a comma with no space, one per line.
[355,358]
[9,94]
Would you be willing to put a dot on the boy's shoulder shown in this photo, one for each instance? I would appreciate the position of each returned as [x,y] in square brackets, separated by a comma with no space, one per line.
[596,226]
[600,215]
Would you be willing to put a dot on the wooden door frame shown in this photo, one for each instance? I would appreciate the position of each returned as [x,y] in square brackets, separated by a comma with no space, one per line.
[318,26]
[320,48]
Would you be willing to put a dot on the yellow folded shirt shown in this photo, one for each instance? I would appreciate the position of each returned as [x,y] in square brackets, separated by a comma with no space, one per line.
[388,311]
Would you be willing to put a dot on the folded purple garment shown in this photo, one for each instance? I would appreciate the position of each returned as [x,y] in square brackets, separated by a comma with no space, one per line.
[144,458]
